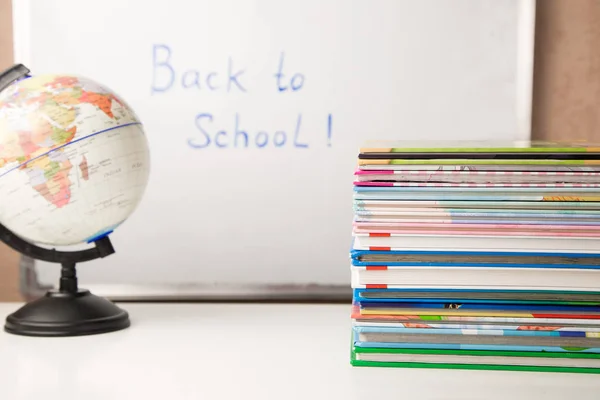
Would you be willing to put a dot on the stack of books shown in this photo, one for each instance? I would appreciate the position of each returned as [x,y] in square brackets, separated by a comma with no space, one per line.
[477,256]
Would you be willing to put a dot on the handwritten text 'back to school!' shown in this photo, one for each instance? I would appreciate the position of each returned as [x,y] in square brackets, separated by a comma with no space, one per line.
[209,134]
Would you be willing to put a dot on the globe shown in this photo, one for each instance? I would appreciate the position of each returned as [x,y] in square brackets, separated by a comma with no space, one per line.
[74,160]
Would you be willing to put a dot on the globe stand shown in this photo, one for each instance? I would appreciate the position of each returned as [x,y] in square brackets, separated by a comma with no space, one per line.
[68,311]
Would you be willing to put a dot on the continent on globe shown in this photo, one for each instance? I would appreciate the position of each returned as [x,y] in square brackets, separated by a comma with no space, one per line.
[83,166]
[49,176]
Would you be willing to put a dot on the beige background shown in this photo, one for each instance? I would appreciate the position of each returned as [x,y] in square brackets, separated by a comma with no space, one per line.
[566,90]
[567,70]
[9,273]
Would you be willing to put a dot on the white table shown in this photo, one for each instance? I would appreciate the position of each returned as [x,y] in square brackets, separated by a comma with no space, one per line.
[229,351]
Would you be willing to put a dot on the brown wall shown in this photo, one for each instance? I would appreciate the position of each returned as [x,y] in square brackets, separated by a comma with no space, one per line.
[566,95]
[9,276]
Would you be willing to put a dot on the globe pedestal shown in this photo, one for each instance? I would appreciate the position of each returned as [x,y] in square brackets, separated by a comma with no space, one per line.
[68,311]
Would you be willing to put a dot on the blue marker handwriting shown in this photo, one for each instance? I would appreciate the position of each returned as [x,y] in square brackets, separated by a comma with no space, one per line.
[233,78]
[165,77]
[212,134]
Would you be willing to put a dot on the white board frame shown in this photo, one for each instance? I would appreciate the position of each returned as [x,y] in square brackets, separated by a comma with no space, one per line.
[30,287]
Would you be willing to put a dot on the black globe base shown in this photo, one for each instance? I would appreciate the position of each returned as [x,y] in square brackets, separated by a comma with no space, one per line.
[68,311]
[67,314]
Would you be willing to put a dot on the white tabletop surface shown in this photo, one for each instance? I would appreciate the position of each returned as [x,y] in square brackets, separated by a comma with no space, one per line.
[229,351]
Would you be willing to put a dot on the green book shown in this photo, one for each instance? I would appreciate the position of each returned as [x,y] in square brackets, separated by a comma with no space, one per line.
[481,146]
[475,153]
[476,360]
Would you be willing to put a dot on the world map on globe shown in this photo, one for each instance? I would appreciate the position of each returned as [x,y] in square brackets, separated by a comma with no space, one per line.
[74,159]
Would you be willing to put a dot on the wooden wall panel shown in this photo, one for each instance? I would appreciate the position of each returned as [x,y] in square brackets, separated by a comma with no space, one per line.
[9,260]
[566,91]
[9,275]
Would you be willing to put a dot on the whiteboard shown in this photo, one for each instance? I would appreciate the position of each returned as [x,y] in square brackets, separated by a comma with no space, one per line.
[255,111]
